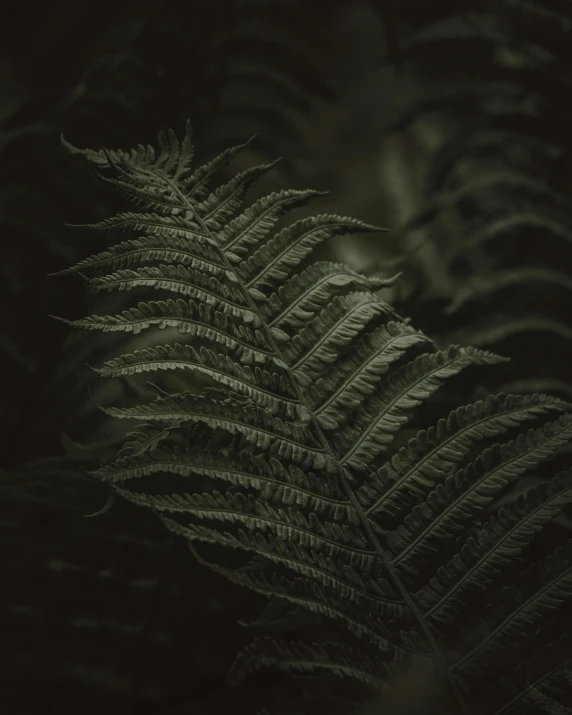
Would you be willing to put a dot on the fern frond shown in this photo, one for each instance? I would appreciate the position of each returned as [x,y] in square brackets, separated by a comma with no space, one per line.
[337,658]
[269,390]
[503,327]
[148,249]
[462,496]
[480,288]
[494,547]
[433,454]
[384,413]
[541,589]
[505,115]
[316,377]
[547,703]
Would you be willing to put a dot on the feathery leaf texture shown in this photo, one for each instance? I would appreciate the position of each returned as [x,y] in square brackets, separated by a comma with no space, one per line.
[291,459]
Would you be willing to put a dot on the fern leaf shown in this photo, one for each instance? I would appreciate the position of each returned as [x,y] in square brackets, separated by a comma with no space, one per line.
[316,376]
[504,327]
[480,288]
[201,321]
[302,295]
[517,222]
[542,588]
[147,249]
[150,224]
[431,456]
[342,390]
[548,704]
[382,415]
[272,263]
[494,547]
[257,425]
[464,494]
[269,390]
[337,658]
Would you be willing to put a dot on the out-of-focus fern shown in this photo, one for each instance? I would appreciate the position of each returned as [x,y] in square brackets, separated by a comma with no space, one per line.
[498,187]
[297,457]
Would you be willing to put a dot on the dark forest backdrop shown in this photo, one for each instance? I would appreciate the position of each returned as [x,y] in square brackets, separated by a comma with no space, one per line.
[447,122]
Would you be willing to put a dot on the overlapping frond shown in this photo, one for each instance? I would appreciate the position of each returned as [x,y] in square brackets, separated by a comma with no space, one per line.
[497,192]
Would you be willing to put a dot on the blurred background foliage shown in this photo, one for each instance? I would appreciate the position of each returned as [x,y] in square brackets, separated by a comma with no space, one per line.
[446,122]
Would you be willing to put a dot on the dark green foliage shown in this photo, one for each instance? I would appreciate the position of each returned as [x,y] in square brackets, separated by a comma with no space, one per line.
[497,184]
[292,469]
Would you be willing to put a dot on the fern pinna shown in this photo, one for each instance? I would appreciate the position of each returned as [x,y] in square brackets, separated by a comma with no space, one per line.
[288,456]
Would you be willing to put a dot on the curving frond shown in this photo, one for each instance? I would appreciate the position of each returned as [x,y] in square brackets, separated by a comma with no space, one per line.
[295,460]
